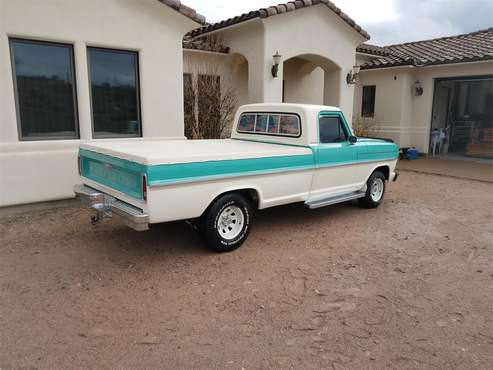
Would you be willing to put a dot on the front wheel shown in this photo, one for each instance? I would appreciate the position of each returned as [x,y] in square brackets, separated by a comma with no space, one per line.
[226,224]
[375,190]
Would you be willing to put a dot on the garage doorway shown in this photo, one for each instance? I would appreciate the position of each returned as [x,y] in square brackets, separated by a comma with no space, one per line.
[462,118]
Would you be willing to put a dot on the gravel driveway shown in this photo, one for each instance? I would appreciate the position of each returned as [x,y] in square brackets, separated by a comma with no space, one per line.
[409,285]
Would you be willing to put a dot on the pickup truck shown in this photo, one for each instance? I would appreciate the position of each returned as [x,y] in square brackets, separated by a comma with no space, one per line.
[277,154]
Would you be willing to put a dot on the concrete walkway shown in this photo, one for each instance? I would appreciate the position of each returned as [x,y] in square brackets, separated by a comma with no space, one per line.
[454,168]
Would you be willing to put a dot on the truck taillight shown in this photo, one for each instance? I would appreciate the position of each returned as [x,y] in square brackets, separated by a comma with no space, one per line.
[144,187]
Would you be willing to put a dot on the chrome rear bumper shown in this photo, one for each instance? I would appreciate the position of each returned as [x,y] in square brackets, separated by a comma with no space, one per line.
[106,206]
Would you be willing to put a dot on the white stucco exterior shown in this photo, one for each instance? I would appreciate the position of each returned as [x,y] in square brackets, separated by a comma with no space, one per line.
[34,171]
[314,34]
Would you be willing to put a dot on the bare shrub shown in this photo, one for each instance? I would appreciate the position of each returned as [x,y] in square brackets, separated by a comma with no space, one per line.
[210,103]
[365,126]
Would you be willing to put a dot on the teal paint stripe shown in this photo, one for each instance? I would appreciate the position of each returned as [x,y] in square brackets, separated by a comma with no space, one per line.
[124,176]
[200,171]
[124,163]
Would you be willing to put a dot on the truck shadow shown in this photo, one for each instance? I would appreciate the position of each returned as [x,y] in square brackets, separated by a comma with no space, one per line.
[180,236]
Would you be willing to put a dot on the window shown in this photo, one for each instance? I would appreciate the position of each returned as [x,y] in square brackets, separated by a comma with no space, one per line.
[331,130]
[114,81]
[368,103]
[270,124]
[44,83]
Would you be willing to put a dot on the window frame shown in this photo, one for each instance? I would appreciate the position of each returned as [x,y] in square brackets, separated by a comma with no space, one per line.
[138,95]
[271,113]
[372,115]
[70,47]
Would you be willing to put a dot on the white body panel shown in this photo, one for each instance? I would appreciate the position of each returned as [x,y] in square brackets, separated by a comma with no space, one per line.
[166,203]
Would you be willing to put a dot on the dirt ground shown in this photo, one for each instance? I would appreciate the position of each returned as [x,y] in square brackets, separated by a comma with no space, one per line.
[406,286]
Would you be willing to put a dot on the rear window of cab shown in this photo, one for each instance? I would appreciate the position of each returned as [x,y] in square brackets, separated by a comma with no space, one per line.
[278,124]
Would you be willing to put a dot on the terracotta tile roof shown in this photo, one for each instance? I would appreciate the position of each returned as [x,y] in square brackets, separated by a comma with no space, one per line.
[185,10]
[204,44]
[470,47]
[372,49]
[275,10]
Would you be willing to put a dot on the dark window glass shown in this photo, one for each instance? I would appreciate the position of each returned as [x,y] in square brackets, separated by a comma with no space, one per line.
[273,124]
[289,125]
[331,130]
[247,123]
[368,103]
[262,120]
[114,92]
[45,90]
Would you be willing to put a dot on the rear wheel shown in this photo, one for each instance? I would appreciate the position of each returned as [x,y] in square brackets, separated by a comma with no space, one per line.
[375,190]
[226,224]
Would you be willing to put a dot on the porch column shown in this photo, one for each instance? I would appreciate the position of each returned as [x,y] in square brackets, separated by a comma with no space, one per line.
[262,87]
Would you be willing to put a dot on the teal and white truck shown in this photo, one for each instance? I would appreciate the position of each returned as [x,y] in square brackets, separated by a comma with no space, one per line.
[277,154]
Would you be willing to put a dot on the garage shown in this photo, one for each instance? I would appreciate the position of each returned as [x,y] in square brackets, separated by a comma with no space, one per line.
[462,122]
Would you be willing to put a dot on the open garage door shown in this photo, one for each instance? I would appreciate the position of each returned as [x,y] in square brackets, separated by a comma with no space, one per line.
[462,122]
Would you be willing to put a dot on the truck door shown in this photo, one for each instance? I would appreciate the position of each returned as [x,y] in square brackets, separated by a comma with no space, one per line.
[336,157]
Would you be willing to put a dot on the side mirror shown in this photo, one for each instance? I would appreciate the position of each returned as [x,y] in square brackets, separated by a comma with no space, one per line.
[353,139]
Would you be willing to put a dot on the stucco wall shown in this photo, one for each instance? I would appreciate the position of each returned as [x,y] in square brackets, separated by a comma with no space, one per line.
[303,82]
[316,31]
[399,114]
[39,171]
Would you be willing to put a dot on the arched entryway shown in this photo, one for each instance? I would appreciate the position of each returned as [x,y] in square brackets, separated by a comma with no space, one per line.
[311,79]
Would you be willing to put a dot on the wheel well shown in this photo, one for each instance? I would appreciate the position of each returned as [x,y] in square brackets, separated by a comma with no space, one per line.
[250,194]
[385,170]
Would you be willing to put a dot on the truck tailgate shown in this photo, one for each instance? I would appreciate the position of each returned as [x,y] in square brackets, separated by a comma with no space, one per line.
[119,174]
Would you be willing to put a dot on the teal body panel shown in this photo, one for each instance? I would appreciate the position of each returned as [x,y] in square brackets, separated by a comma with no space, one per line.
[195,171]
[119,174]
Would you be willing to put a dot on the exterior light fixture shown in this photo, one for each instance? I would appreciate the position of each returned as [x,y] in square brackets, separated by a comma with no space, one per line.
[352,76]
[275,67]
[418,89]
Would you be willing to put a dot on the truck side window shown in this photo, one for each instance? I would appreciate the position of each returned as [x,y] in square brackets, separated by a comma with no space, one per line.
[331,130]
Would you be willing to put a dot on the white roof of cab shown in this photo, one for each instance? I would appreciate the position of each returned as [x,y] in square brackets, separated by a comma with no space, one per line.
[287,107]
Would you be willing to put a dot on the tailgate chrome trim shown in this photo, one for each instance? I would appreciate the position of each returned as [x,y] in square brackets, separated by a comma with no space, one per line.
[106,206]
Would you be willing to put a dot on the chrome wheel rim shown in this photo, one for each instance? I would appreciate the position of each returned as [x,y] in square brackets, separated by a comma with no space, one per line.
[230,222]
[376,191]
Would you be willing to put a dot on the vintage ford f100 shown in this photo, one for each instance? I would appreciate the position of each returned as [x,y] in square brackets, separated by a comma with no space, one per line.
[277,154]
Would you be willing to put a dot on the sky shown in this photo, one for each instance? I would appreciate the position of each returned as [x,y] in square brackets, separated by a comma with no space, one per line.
[387,21]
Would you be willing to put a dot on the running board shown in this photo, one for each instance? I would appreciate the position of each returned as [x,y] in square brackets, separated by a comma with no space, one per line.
[322,202]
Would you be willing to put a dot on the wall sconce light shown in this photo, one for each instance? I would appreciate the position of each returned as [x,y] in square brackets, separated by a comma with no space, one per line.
[352,76]
[418,89]
[275,67]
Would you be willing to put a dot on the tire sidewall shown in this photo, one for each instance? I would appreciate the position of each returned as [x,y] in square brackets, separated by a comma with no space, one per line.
[213,236]
[368,201]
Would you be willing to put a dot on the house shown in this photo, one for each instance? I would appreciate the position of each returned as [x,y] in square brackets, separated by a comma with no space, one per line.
[115,70]
[429,92]
[84,70]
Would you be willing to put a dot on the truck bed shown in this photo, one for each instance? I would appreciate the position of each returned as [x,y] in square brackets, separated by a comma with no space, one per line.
[158,152]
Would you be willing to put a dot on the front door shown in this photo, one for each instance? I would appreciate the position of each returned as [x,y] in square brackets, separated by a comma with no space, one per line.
[336,157]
